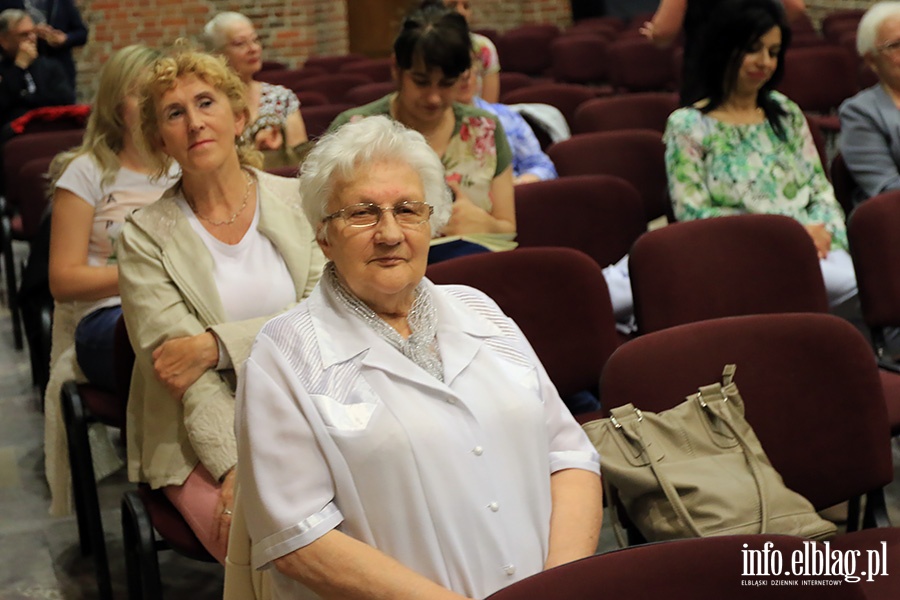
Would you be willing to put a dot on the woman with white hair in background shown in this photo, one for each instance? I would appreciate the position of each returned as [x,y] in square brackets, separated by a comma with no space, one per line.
[870,120]
[399,439]
[275,120]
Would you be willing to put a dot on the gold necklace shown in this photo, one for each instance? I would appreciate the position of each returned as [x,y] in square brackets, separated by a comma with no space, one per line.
[234,216]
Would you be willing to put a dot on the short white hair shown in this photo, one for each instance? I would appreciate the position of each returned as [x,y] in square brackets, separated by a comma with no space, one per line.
[867,31]
[214,32]
[340,154]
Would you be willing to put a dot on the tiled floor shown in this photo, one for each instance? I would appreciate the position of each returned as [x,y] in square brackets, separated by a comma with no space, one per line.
[39,555]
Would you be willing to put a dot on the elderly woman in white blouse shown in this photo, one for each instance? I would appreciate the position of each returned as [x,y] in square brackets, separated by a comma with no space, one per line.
[398,439]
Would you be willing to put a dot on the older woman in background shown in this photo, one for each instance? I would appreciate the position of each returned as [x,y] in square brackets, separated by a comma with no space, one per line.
[438,460]
[870,120]
[201,270]
[275,119]
[746,148]
[431,53]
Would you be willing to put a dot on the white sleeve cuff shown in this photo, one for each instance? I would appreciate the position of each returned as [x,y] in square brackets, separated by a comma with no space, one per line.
[296,536]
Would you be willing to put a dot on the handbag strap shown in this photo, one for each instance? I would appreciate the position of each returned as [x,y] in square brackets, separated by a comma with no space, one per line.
[711,399]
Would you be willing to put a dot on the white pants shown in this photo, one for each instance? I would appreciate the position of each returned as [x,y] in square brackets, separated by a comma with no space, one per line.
[839,276]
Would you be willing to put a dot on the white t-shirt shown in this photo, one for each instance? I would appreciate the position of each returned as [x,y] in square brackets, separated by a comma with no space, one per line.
[251,276]
[128,192]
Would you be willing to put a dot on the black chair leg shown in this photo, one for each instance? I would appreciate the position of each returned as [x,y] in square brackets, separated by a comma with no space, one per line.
[84,486]
[141,561]
[12,290]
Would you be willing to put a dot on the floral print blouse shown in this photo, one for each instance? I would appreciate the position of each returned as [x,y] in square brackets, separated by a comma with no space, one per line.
[478,150]
[717,169]
[276,102]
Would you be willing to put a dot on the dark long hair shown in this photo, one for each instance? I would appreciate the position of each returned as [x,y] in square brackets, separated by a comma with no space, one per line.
[434,37]
[733,28]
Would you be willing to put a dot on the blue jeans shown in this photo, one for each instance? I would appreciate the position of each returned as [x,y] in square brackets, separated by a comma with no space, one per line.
[95,346]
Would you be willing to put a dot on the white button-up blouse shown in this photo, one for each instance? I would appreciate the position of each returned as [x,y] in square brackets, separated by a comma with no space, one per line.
[337,429]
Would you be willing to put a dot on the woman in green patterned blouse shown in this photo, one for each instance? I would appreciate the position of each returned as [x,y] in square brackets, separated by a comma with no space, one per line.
[742,147]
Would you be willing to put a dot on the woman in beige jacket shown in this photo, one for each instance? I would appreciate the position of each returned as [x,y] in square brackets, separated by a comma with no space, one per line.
[201,270]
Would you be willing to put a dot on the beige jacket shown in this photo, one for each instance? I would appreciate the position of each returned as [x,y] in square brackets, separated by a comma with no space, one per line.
[167,289]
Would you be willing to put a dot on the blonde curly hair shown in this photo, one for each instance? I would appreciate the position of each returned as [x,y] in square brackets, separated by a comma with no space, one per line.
[164,74]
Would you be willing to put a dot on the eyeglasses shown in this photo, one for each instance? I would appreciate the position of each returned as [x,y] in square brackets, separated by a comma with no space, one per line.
[367,214]
[890,48]
[244,44]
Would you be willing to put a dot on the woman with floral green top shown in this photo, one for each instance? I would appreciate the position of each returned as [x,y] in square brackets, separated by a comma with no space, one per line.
[745,148]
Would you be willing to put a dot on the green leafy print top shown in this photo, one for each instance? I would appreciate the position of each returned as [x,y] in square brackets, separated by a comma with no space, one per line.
[717,169]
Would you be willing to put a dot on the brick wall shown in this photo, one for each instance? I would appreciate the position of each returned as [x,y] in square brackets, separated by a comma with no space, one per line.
[291,29]
[506,14]
[819,8]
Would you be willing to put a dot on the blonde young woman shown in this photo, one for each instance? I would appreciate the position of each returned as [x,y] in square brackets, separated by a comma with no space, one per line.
[275,119]
[94,187]
[202,269]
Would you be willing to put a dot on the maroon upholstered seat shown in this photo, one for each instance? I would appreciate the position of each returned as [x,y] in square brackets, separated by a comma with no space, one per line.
[842,181]
[318,118]
[636,155]
[378,69]
[819,78]
[726,266]
[83,405]
[510,81]
[333,86]
[526,49]
[696,569]
[369,92]
[289,77]
[17,152]
[636,65]
[647,110]
[600,215]
[875,247]
[567,97]
[331,64]
[310,98]
[557,296]
[579,59]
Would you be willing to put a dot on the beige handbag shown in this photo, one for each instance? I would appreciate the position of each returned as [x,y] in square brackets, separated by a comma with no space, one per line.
[699,470]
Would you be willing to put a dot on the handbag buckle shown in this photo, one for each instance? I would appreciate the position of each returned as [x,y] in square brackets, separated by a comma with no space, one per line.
[639,414]
[615,422]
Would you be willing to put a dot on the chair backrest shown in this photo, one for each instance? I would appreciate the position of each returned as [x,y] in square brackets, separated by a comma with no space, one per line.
[318,118]
[335,86]
[842,181]
[836,23]
[378,69]
[26,147]
[369,92]
[559,299]
[289,77]
[331,64]
[695,569]
[600,215]
[310,98]
[875,247]
[636,155]
[819,78]
[273,65]
[647,110]
[725,266]
[29,194]
[811,391]
[510,81]
[579,58]
[567,97]
[526,49]
[636,65]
